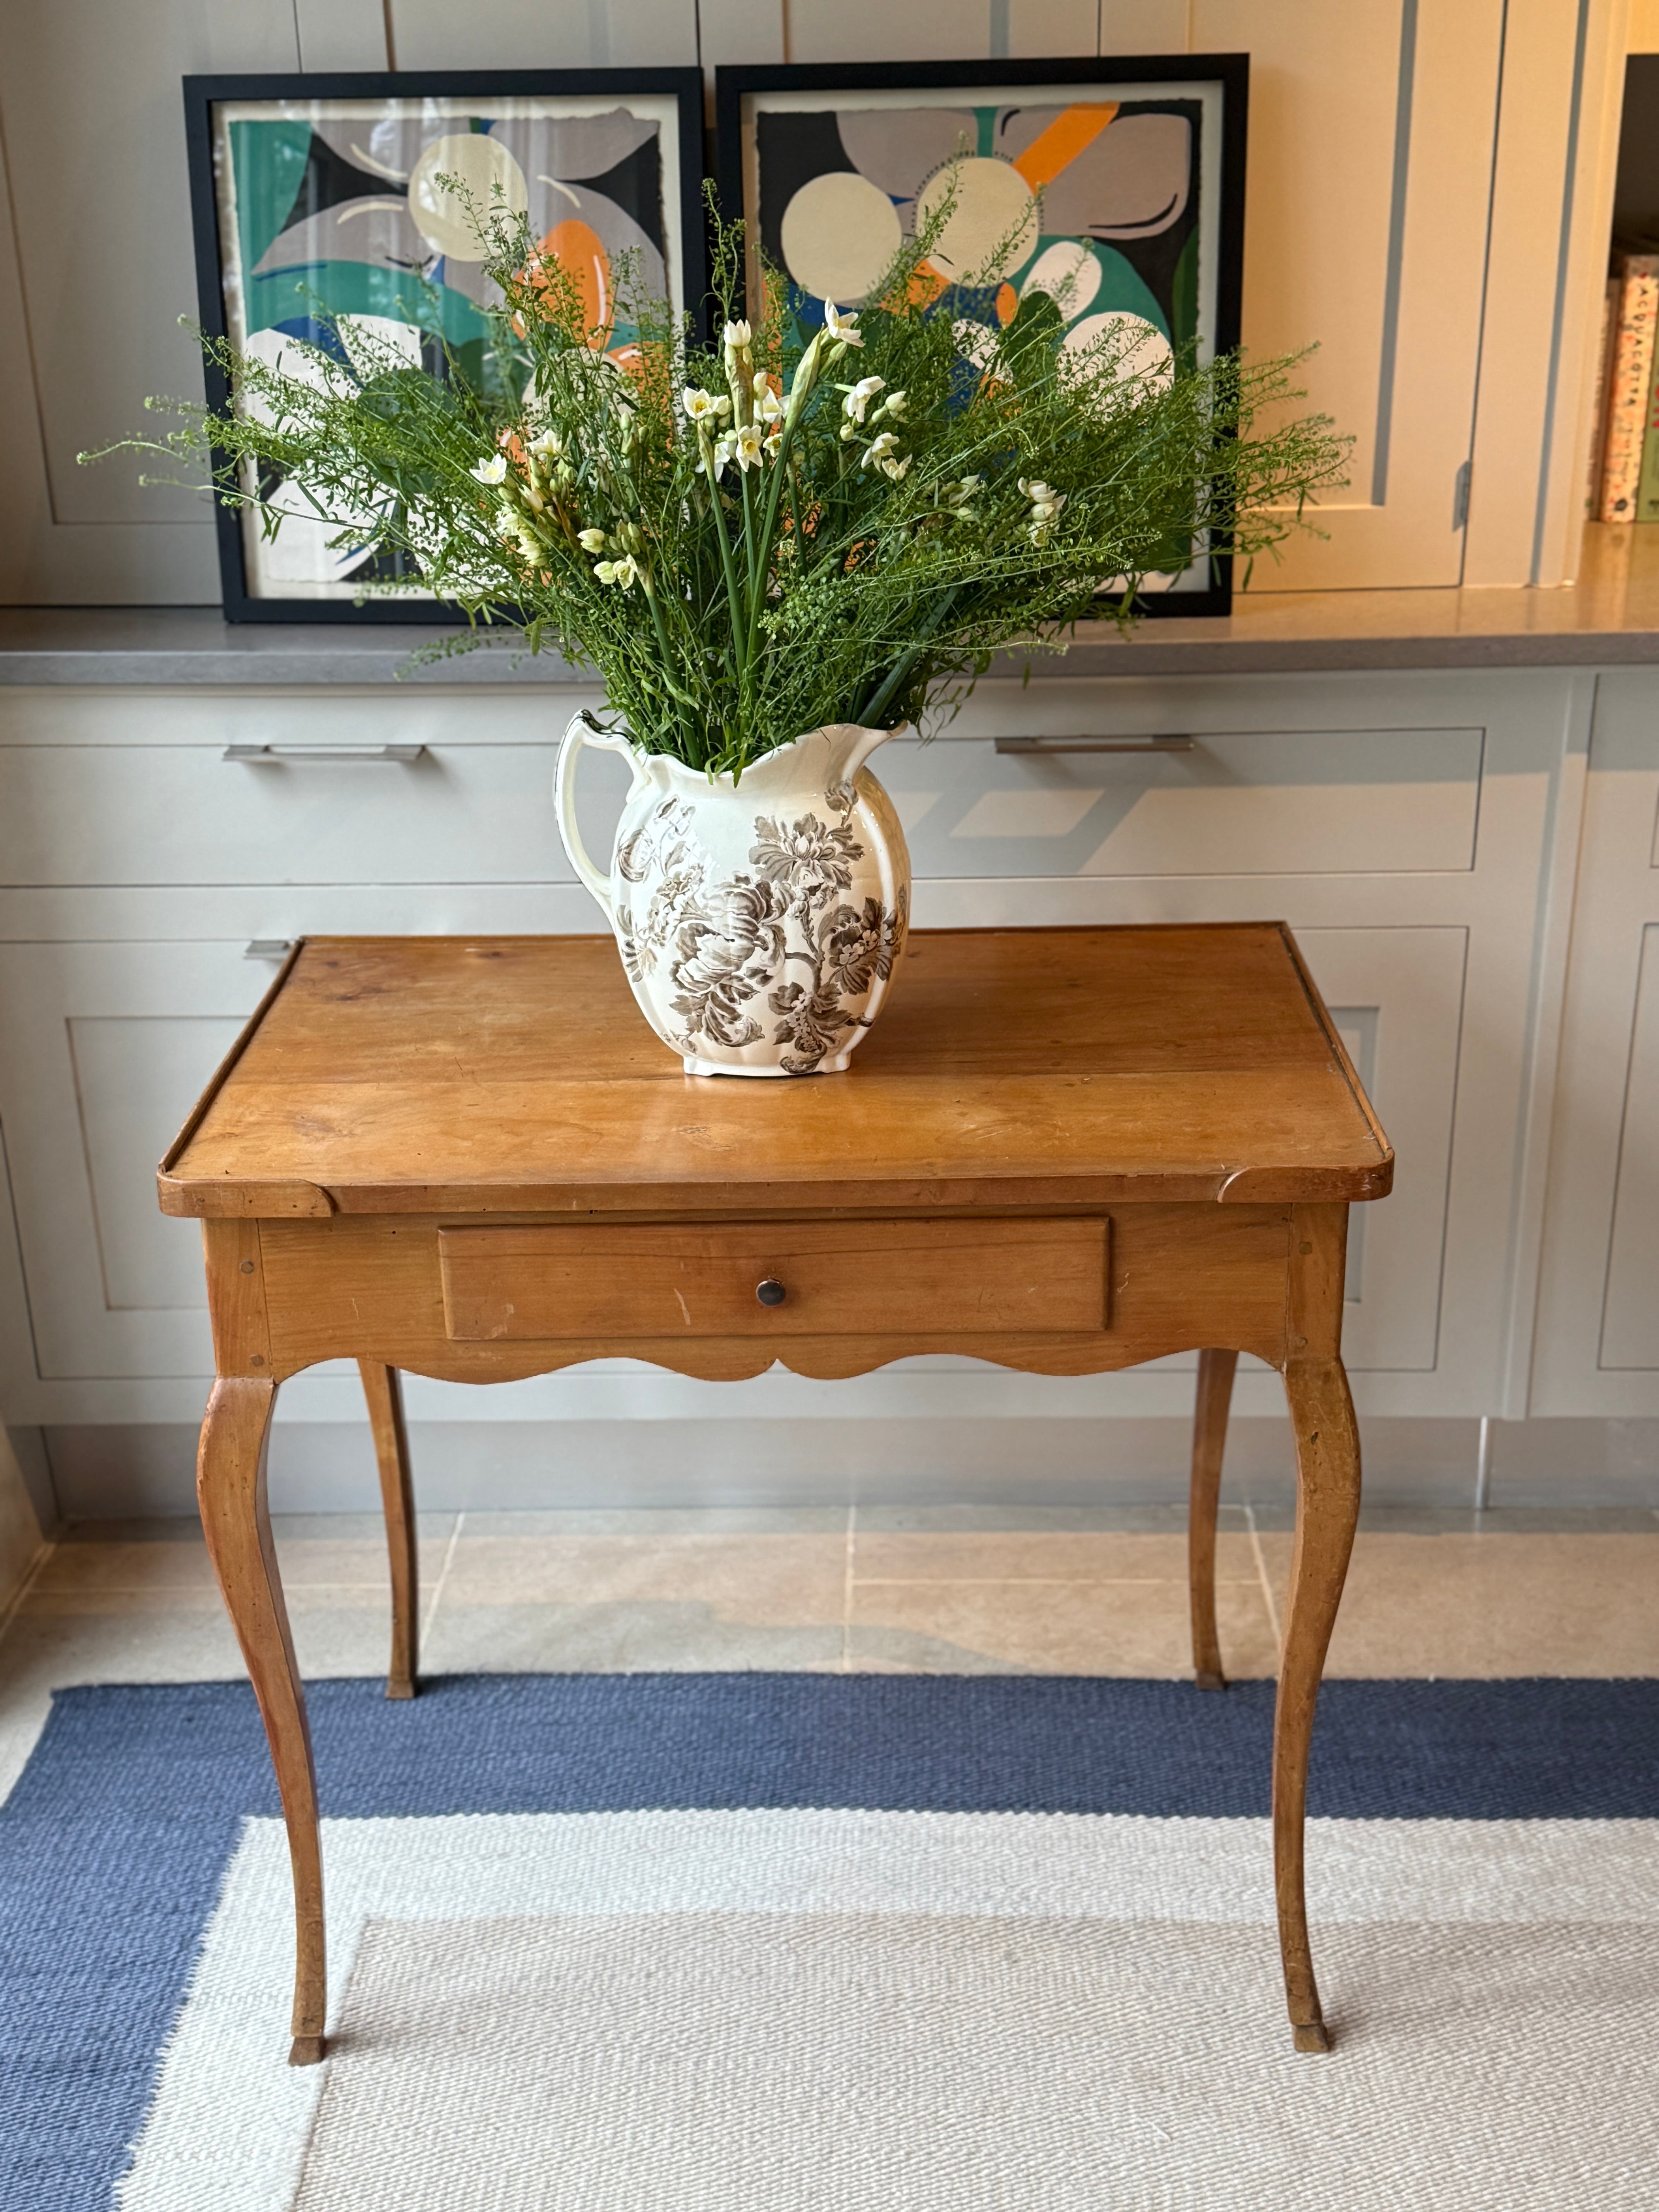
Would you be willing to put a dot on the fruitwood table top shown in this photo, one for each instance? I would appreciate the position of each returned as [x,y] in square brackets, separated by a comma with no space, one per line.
[471,1159]
[1011,1067]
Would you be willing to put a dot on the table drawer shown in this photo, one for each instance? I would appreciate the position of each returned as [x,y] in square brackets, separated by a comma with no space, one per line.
[836,1279]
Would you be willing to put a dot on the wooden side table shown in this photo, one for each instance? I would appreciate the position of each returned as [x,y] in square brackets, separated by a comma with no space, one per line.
[1063,1149]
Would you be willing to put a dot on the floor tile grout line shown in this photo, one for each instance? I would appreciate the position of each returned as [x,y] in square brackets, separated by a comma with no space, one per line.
[443,1576]
[291,1588]
[1045,1582]
[1262,1577]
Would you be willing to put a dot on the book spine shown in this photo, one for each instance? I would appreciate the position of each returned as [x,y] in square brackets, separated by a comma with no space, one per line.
[1647,484]
[1598,444]
[1627,392]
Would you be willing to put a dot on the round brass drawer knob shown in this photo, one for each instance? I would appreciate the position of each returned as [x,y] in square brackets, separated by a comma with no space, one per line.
[771,1292]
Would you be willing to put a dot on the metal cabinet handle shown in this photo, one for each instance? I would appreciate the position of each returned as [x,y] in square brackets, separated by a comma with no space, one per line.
[1181,744]
[771,1292]
[322,752]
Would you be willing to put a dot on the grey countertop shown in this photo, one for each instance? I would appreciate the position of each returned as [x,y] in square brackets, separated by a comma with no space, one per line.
[1608,620]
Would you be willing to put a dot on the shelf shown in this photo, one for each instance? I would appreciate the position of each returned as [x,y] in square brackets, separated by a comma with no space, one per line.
[1610,618]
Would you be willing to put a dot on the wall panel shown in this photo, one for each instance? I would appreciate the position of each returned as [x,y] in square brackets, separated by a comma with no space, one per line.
[342,34]
[434,34]
[95,161]
[878,31]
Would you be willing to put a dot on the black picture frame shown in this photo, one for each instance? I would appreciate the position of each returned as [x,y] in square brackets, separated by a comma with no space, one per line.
[203,94]
[737,84]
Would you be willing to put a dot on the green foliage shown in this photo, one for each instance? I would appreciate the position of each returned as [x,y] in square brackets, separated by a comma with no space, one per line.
[751,540]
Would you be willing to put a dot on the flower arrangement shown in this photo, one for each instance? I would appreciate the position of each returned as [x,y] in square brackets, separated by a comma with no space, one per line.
[765,536]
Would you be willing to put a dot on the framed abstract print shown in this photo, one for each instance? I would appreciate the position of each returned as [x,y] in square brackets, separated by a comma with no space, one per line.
[355,197]
[1115,187]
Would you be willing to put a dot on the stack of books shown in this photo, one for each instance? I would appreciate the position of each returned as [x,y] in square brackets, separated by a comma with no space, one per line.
[1624,474]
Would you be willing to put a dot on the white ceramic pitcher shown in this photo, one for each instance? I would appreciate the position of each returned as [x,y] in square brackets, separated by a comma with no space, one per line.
[759,923]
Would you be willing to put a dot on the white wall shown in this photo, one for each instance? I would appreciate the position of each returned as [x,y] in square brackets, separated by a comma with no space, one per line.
[1379,136]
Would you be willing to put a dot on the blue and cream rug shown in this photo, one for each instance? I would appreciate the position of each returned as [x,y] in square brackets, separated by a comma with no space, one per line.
[811,1943]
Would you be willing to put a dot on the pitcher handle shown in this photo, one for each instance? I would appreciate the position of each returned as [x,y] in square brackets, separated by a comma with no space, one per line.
[583,730]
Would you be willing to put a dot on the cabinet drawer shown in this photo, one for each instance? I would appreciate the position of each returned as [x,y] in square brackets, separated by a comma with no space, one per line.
[143,814]
[838,1279]
[1241,802]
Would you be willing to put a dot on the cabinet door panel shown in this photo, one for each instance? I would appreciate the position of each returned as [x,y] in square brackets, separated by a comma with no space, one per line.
[1597,1346]
[1372,132]
[1630,1317]
[1397,998]
[103,1050]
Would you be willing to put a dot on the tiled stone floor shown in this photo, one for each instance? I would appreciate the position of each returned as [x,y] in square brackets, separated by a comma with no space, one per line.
[946,1590]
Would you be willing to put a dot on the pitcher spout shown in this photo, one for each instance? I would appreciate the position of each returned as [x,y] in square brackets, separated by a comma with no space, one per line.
[850,747]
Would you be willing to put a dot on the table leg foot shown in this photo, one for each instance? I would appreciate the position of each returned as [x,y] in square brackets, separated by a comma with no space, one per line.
[395,1688]
[1311,2035]
[1215,1390]
[311,2050]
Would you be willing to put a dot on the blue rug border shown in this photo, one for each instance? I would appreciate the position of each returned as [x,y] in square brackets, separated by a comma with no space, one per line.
[115,1840]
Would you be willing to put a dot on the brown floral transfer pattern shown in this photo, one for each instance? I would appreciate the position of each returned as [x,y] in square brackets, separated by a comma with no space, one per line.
[777,946]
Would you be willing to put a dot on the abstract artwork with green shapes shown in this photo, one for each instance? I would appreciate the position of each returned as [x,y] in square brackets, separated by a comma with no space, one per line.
[366,210]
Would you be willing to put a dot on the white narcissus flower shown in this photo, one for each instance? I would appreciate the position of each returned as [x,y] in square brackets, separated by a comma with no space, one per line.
[893,406]
[894,467]
[768,408]
[591,541]
[842,328]
[492,471]
[623,573]
[703,407]
[879,451]
[550,445]
[746,446]
[737,337]
[1046,503]
[860,395]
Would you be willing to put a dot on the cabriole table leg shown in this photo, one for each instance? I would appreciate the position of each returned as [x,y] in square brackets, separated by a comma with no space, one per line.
[386,1412]
[1327,1509]
[230,1485]
[1215,1390]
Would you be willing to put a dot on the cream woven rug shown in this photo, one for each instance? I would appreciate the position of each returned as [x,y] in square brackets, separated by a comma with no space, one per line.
[798,2011]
